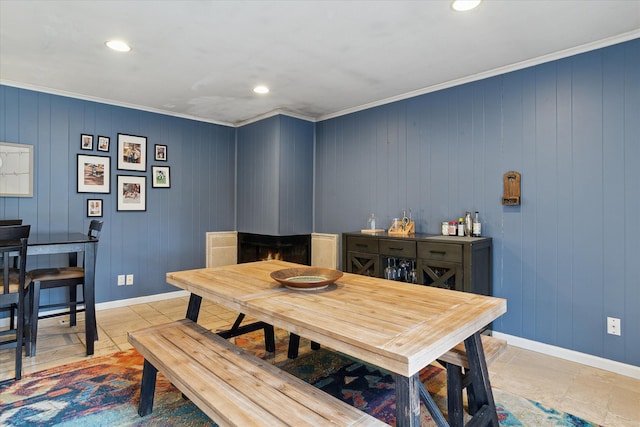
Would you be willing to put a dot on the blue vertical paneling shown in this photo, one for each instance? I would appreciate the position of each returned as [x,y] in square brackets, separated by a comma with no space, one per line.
[295,180]
[258,157]
[169,235]
[613,155]
[631,202]
[587,197]
[571,128]
[511,240]
[546,202]
[566,208]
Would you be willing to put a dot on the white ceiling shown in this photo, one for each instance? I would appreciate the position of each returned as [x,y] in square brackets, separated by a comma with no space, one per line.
[321,59]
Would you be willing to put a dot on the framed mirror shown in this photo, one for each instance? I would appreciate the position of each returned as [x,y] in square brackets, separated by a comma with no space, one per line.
[16,170]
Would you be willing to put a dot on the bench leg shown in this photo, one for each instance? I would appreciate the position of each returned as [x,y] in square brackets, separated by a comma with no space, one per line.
[147,389]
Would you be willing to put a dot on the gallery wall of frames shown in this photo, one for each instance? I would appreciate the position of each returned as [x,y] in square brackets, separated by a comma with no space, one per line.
[147,176]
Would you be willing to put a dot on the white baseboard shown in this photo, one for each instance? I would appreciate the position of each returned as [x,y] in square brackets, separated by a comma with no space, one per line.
[141,300]
[4,322]
[571,355]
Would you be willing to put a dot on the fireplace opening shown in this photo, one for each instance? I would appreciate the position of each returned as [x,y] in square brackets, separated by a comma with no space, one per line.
[259,247]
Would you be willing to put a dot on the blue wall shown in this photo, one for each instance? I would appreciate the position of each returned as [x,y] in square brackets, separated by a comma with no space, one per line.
[568,256]
[170,235]
[275,176]
[565,259]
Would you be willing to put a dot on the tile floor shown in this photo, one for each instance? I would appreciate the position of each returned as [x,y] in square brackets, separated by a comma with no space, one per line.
[594,394]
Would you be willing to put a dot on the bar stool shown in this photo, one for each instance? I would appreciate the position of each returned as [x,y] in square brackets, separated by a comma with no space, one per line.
[13,239]
[49,278]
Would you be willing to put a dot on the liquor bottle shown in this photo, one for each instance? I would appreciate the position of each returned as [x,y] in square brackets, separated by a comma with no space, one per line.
[461,227]
[477,227]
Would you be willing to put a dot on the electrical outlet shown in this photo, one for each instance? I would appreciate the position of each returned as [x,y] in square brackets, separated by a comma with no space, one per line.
[120,279]
[613,326]
[129,279]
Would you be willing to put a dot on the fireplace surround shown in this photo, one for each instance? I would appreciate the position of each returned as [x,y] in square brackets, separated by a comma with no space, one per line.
[258,247]
[222,249]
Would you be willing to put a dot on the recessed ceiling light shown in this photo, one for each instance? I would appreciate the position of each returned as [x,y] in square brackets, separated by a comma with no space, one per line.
[118,45]
[464,5]
[261,89]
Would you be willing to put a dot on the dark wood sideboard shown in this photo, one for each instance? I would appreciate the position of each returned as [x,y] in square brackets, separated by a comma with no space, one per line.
[451,262]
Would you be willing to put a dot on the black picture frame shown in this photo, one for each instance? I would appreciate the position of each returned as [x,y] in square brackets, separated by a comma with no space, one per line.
[93,174]
[132,193]
[160,153]
[86,141]
[94,208]
[132,152]
[103,143]
[160,177]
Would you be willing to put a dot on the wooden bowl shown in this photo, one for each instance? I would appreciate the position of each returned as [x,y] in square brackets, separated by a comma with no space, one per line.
[306,278]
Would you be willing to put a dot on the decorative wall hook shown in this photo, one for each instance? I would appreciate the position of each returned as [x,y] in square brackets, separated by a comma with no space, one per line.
[511,196]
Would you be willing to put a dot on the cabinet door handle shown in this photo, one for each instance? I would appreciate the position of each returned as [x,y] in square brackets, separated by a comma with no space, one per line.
[396,249]
[438,252]
[361,245]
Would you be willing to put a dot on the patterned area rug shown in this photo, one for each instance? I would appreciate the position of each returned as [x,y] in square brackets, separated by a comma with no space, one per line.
[104,391]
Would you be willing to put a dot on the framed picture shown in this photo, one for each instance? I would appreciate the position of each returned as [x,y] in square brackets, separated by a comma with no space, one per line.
[86,141]
[94,174]
[94,207]
[16,170]
[161,177]
[132,193]
[103,143]
[132,152]
[161,153]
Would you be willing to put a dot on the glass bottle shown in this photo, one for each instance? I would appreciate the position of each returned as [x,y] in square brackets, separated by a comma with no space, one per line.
[402,270]
[461,227]
[390,272]
[413,274]
[477,227]
[371,222]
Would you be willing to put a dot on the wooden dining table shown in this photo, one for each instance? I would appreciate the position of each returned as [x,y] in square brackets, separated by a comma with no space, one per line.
[396,326]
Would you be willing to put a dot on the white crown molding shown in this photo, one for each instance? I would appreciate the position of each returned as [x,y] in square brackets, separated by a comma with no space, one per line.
[277,112]
[107,101]
[491,73]
[480,76]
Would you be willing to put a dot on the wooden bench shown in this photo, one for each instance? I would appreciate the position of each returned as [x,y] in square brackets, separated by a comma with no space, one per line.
[455,360]
[231,386]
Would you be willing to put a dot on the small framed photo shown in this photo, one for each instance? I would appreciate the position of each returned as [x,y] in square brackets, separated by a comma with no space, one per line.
[132,152]
[94,207]
[132,193]
[103,143]
[161,177]
[161,153]
[86,141]
[94,174]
